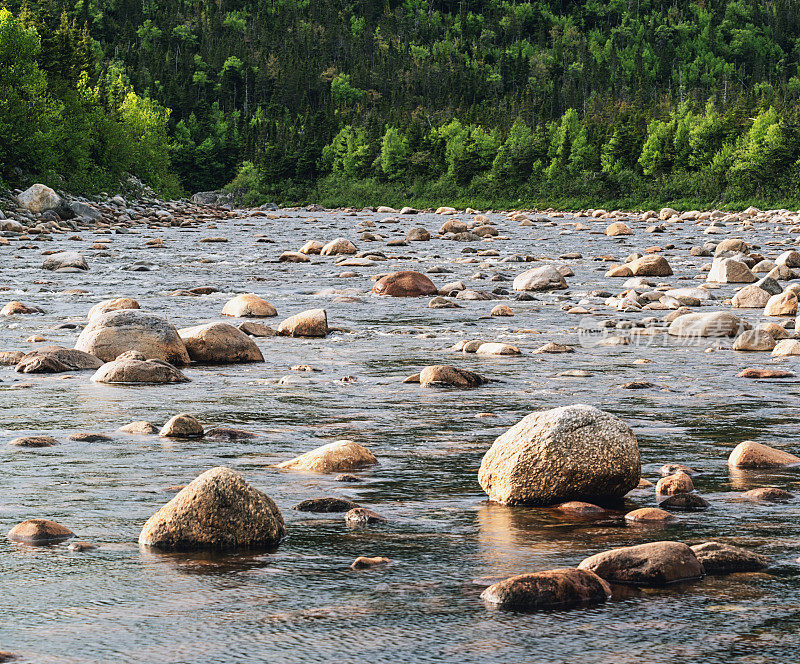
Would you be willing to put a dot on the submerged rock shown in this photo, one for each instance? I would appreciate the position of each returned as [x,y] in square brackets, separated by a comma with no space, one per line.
[131,368]
[248,305]
[553,589]
[406,283]
[56,359]
[332,458]
[718,558]
[444,375]
[749,454]
[653,564]
[217,510]
[569,453]
[39,532]
[182,426]
[325,505]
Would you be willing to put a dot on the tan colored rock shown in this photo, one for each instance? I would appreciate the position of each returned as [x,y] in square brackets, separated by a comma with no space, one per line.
[332,458]
[182,425]
[749,454]
[786,348]
[16,307]
[730,271]
[33,441]
[754,340]
[444,375]
[651,265]
[569,453]
[112,305]
[132,369]
[650,515]
[39,532]
[653,564]
[219,343]
[712,324]
[139,428]
[404,284]
[248,305]
[553,589]
[311,323]
[501,310]
[783,304]
[56,359]
[312,247]
[256,329]
[493,348]
[678,482]
[619,271]
[218,510]
[109,335]
[338,246]
[39,198]
[618,228]
[364,562]
[293,257]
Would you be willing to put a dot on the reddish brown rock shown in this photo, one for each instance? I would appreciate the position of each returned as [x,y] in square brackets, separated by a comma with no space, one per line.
[553,589]
[39,531]
[404,284]
[749,454]
[653,564]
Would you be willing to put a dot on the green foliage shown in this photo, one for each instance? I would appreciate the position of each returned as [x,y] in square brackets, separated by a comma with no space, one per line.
[394,154]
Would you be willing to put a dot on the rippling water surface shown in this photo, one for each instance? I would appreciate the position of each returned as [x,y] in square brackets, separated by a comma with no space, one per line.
[302,602]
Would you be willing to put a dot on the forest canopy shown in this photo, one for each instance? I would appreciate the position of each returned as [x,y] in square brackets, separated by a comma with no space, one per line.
[496,100]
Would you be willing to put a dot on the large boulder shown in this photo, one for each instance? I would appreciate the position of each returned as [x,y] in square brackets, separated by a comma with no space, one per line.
[218,510]
[751,297]
[718,558]
[132,368]
[311,323]
[219,343]
[248,305]
[444,375]
[332,458]
[338,246]
[64,261]
[40,198]
[730,271]
[545,277]
[85,211]
[754,340]
[731,247]
[569,453]
[712,324]
[114,304]
[782,304]
[56,359]
[553,589]
[751,455]
[406,283]
[650,265]
[653,564]
[109,335]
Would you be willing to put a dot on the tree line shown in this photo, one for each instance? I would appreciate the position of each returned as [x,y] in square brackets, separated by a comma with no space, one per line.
[290,99]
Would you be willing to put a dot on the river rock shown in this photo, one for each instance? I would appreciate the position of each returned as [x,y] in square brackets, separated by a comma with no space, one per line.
[218,510]
[312,247]
[783,304]
[718,558]
[678,482]
[767,494]
[754,340]
[112,305]
[182,425]
[651,265]
[332,458]
[33,441]
[444,375]
[406,283]
[140,428]
[568,453]
[132,368]
[553,589]
[248,305]
[109,335]
[749,454]
[311,323]
[751,297]
[545,277]
[494,348]
[325,505]
[40,198]
[685,502]
[65,260]
[786,348]
[618,228]
[16,307]
[364,562]
[338,246]
[219,343]
[712,324]
[653,564]
[8,358]
[649,515]
[361,516]
[56,359]
[39,532]
[730,271]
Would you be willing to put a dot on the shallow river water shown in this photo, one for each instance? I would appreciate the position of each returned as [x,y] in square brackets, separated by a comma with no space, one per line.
[302,602]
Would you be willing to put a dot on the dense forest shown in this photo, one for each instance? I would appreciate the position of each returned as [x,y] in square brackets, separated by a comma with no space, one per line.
[490,101]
